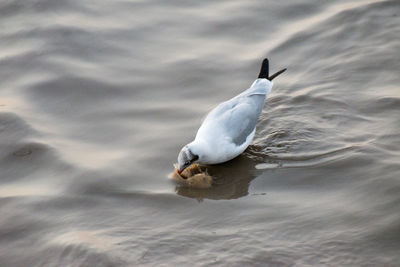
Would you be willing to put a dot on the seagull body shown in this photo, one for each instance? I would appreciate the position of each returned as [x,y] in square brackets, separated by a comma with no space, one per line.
[229,128]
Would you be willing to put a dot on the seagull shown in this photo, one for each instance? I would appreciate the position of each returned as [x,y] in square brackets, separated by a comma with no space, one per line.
[229,128]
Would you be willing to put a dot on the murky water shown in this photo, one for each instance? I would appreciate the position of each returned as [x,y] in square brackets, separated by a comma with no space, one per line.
[98,97]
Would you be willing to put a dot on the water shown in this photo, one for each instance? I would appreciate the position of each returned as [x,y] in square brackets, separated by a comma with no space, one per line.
[97,98]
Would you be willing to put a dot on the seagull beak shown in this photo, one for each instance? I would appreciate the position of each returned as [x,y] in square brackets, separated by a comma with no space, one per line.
[180,171]
[177,169]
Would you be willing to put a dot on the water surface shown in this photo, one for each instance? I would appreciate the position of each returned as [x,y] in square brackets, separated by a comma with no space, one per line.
[97,98]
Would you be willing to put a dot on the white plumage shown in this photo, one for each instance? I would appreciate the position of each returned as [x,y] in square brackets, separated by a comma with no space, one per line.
[229,128]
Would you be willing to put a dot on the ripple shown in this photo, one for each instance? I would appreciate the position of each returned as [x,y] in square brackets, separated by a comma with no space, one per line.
[308,160]
[97,98]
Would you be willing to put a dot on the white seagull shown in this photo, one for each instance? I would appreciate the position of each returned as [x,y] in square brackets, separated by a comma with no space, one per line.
[229,128]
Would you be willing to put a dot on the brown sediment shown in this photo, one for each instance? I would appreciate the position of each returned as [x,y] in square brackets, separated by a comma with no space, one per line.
[195,176]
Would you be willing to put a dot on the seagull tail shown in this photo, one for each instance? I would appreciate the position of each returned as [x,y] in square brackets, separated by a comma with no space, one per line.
[264,72]
[276,74]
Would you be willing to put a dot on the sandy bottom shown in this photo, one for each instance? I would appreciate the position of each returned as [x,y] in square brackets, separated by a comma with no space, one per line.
[194,176]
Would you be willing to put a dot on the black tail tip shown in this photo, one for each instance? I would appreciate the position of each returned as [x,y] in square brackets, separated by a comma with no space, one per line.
[264,72]
[273,76]
[265,61]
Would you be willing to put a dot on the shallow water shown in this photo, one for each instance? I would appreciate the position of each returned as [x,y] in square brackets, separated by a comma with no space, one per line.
[97,98]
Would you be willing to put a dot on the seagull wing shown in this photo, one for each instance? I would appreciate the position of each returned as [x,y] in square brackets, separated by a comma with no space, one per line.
[243,117]
[236,118]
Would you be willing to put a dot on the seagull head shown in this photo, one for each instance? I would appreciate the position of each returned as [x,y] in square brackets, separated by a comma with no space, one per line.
[186,158]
